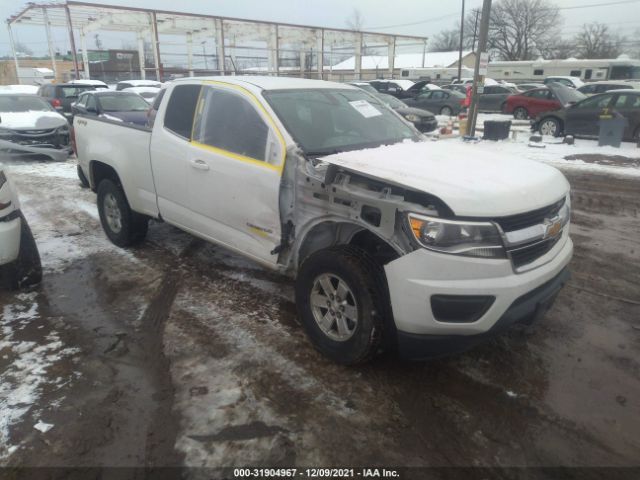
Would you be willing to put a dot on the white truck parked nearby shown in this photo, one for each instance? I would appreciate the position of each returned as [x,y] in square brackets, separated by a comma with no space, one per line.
[395,242]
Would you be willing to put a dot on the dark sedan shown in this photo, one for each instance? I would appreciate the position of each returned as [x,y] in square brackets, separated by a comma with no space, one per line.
[582,118]
[112,105]
[423,120]
[444,102]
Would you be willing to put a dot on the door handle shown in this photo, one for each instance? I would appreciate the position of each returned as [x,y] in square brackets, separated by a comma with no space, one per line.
[199,164]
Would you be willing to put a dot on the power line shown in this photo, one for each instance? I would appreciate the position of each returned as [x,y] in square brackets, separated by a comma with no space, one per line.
[620,2]
[435,19]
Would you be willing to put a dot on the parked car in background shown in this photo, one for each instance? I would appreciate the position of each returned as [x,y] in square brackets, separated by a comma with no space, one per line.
[419,86]
[30,126]
[529,86]
[604,86]
[28,89]
[442,102]
[423,120]
[532,103]
[119,106]
[148,93]
[494,98]
[62,95]
[573,82]
[394,243]
[398,88]
[582,118]
[19,258]
[97,84]
[137,83]
[366,86]
[458,87]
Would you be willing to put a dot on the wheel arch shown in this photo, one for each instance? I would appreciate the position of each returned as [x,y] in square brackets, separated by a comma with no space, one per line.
[99,171]
[329,232]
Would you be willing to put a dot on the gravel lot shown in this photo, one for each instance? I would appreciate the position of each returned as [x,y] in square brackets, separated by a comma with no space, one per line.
[179,353]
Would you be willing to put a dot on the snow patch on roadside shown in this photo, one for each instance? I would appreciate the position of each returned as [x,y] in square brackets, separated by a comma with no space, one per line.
[27,373]
[66,169]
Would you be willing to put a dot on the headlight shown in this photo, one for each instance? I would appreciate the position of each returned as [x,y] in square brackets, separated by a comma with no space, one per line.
[63,129]
[565,211]
[474,239]
[413,118]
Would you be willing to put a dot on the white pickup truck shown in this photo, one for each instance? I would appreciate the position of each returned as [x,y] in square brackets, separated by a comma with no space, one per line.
[395,242]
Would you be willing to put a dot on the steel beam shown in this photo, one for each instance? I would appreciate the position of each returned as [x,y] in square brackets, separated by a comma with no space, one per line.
[52,53]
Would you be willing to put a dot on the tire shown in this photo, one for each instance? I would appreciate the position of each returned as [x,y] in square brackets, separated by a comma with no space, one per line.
[520,113]
[550,126]
[123,226]
[26,270]
[83,179]
[446,111]
[366,303]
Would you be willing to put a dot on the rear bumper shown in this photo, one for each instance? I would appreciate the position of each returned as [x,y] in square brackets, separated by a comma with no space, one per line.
[428,126]
[525,310]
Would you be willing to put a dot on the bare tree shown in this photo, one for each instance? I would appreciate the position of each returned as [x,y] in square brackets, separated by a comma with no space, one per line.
[355,21]
[560,49]
[596,41]
[446,41]
[518,29]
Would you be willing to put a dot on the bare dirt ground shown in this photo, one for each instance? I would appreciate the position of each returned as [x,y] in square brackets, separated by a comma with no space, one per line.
[179,353]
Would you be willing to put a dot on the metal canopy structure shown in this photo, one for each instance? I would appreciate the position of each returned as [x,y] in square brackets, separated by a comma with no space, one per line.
[238,45]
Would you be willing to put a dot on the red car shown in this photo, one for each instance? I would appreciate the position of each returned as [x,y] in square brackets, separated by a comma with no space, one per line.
[532,103]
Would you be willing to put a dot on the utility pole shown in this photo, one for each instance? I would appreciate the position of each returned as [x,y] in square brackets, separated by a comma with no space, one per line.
[461,38]
[475,31]
[481,57]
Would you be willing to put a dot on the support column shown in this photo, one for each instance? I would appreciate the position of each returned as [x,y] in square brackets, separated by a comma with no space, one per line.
[424,53]
[141,57]
[357,69]
[190,53]
[220,53]
[156,45]
[72,42]
[85,55]
[320,52]
[52,53]
[274,53]
[391,53]
[14,53]
[303,61]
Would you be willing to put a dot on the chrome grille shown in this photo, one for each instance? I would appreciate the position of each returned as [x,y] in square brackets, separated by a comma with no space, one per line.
[528,219]
[524,255]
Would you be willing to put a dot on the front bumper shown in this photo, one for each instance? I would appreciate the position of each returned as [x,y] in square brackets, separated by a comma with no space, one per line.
[414,278]
[49,143]
[426,126]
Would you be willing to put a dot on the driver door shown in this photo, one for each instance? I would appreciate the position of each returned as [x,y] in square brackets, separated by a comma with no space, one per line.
[234,168]
[583,117]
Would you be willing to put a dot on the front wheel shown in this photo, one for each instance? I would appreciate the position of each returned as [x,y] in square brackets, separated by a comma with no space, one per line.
[341,300]
[550,126]
[123,226]
[446,111]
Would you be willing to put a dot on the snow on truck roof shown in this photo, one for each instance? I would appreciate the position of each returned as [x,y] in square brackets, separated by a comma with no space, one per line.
[270,83]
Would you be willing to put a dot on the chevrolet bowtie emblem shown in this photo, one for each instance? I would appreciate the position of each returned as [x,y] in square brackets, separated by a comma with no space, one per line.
[552,228]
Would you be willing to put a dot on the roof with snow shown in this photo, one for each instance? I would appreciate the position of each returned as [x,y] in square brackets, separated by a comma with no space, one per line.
[404,60]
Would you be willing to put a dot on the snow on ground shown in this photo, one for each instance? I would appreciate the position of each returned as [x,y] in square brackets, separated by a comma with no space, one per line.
[23,380]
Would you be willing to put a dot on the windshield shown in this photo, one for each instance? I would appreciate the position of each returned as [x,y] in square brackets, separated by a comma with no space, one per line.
[123,103]
[324,121]
[23,103]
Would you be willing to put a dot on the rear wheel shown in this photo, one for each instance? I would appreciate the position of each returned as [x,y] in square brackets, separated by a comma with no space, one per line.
[520,113]
[550,126]
[83,179]
[446,111]
[123,226]
[341,299]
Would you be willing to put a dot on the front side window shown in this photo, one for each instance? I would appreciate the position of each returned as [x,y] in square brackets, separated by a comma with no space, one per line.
[598,102]
[228,121]
[589,89]
[123,103]
[181,109]
[627,100]
[325,121]
[91,103]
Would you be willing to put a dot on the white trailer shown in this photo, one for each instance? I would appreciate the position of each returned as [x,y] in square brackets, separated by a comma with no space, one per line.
[621,68]
[436,74]
[35,76]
